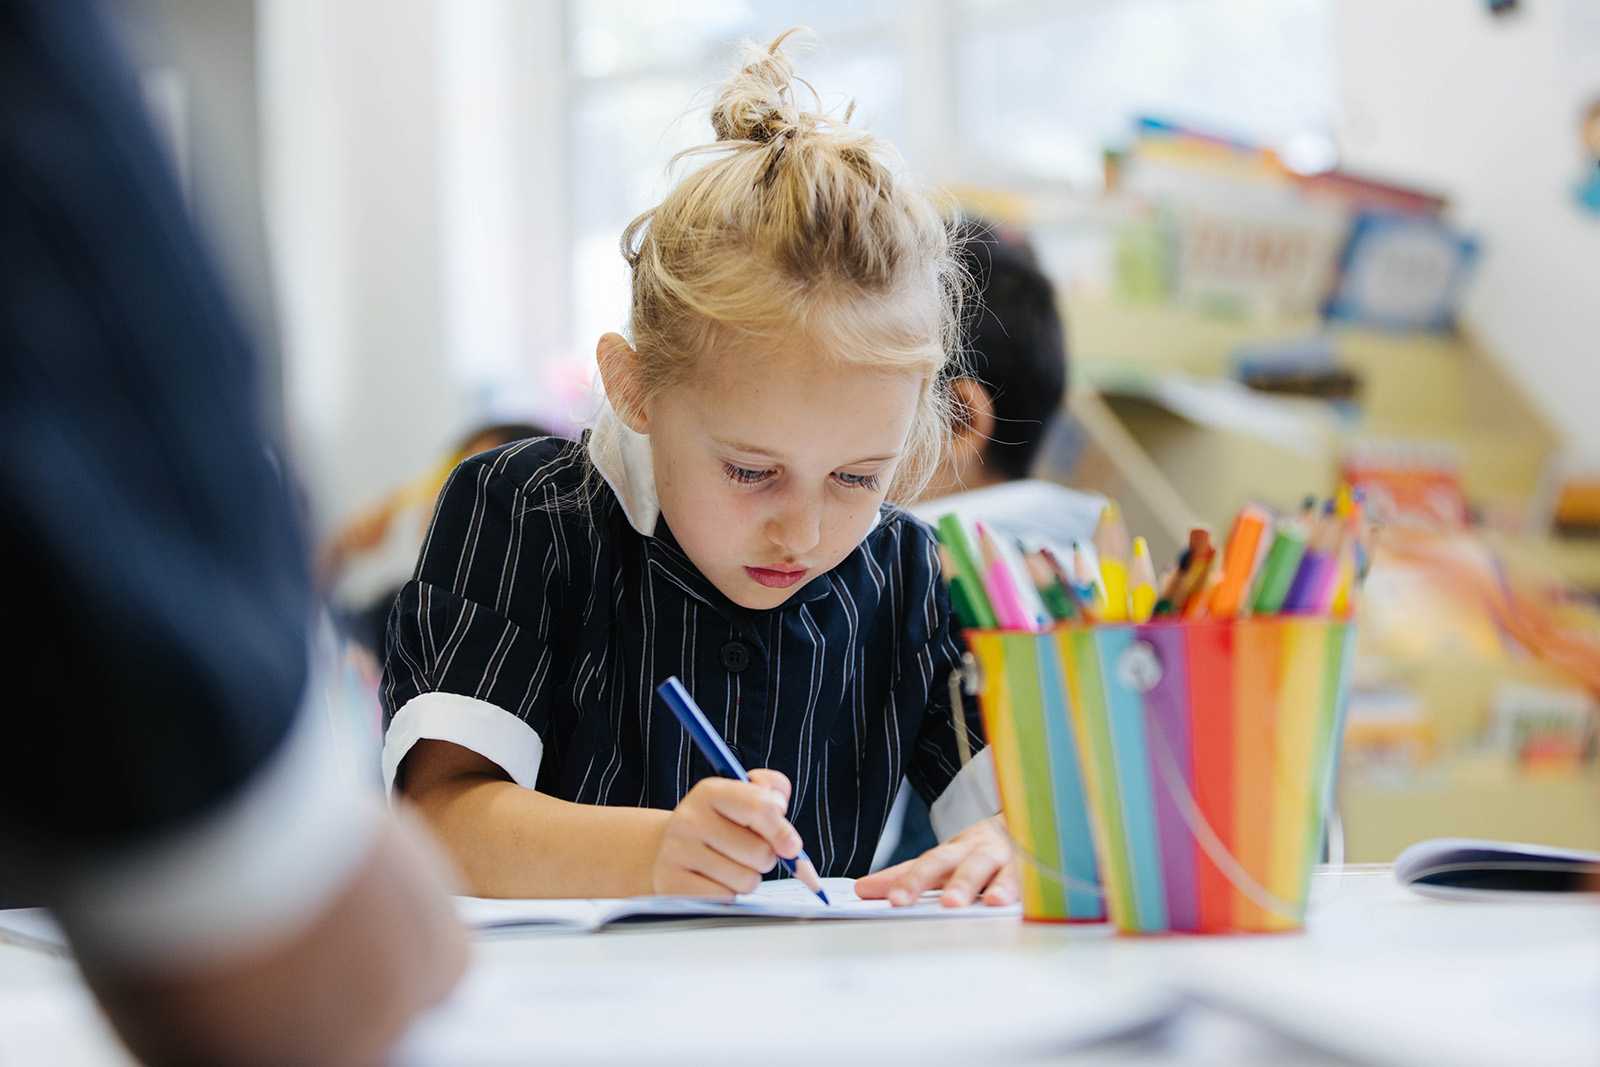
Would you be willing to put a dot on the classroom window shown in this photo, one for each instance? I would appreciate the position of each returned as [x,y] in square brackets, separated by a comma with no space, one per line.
[979,91]
[642,78]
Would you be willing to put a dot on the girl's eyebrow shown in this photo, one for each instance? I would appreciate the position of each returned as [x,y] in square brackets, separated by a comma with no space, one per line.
[765,453]
[753,450]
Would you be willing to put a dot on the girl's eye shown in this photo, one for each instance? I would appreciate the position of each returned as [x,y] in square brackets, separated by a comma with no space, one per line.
[744,475]
[857,481]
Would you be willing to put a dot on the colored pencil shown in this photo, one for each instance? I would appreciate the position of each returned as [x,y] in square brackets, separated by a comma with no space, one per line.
[1111,544]
[1192,594]
[1055,596]
[1084,606]
[1142,575]
[1088,579]
[1193,563]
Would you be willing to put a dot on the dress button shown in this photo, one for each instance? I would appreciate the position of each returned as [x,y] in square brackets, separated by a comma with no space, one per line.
[736,656]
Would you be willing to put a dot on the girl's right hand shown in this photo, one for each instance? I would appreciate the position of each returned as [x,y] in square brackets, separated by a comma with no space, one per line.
[723,836]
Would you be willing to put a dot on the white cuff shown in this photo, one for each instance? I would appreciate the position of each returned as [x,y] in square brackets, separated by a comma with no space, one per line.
[971,797]
[258,867]
[487,729]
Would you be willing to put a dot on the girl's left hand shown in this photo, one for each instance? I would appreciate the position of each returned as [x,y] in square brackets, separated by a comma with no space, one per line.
[976,864]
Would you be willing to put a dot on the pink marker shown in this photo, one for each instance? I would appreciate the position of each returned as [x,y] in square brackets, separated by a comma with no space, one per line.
[1001,585]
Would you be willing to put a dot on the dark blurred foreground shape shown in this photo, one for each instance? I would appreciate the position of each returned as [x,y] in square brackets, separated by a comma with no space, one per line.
[228,898]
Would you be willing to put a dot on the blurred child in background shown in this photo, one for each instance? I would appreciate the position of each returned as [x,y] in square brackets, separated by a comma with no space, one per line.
[1012,390]
[363,564]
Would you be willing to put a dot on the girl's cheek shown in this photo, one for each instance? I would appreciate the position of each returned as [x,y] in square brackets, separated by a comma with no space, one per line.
[856,520]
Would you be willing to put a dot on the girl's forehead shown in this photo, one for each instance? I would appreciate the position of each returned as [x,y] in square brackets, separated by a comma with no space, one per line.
[788,403]
[794,363]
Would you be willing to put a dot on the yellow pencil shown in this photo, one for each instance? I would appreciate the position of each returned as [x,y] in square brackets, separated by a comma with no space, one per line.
[1143,577]
[1111,543]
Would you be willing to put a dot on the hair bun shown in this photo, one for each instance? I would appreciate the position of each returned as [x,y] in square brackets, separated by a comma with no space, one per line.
[757,103]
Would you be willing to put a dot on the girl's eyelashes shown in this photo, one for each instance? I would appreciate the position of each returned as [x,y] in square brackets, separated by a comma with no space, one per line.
[868,482]
[745,475]
[756,476]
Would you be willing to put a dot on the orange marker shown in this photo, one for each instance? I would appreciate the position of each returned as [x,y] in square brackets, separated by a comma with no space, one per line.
[1239,560]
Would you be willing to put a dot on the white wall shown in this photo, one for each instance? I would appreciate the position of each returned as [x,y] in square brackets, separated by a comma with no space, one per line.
[202,56]
[412,154]
[1485,109]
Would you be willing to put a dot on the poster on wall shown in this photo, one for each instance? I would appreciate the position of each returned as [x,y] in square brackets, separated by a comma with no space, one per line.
[1402,272]
[1588,188]
[1579,52]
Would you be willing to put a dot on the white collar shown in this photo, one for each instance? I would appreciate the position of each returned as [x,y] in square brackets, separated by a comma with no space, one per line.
[622,456]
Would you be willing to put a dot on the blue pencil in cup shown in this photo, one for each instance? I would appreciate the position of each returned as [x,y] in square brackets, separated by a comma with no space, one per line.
[715,749]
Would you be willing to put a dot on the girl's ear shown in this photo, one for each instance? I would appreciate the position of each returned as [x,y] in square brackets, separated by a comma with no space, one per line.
[974,423]
[619,370]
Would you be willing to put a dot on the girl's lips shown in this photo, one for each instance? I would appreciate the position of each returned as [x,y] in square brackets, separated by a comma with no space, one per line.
[775,579]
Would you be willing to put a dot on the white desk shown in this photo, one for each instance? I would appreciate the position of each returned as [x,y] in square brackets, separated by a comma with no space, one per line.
[1380,976]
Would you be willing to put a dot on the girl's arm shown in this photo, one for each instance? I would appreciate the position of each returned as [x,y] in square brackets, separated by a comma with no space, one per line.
[514,842]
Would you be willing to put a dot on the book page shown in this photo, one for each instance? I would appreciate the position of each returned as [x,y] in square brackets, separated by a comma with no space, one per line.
[483,913]
[785,898]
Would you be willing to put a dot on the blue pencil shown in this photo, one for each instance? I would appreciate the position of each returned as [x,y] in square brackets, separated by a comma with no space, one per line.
[716,751]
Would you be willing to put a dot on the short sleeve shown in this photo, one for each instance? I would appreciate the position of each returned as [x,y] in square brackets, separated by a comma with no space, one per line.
[469,654]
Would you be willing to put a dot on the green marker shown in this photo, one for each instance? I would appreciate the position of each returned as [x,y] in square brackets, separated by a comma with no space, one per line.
[953,535]
[1277,572]
[961,603]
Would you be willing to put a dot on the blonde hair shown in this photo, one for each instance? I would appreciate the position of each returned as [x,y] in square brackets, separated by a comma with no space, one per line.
[800,226]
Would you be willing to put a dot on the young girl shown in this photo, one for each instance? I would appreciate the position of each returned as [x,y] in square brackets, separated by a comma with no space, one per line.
[793,307]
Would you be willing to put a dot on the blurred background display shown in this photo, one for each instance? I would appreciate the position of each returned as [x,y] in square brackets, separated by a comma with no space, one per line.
[1297,244]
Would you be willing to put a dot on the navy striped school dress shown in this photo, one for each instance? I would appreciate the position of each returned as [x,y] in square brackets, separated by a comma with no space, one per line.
[543,615]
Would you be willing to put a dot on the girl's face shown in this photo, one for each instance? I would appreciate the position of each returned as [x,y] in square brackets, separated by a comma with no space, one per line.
[770,468]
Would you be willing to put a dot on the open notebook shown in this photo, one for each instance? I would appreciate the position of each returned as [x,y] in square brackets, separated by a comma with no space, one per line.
[782,899]
[1466,868]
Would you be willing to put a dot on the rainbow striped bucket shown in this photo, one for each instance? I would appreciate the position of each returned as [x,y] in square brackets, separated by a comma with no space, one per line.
[1198,757]
[1023,694]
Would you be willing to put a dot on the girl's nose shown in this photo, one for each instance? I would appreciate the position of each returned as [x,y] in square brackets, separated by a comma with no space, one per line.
[797,530]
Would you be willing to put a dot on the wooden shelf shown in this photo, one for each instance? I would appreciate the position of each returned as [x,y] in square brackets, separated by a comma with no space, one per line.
[1415,387]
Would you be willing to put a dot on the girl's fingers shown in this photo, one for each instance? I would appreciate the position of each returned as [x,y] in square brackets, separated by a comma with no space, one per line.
[876,885]
[758,808]
[976,871]
[687,883]
[744,847]
[729,875]
[927,871]
[1003,890]
[776,780]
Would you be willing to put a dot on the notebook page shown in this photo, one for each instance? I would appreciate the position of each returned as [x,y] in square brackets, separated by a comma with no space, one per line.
[789,898]
[483,913]
[785,898]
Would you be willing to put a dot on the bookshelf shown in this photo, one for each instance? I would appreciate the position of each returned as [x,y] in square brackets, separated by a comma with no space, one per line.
[1164,433]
